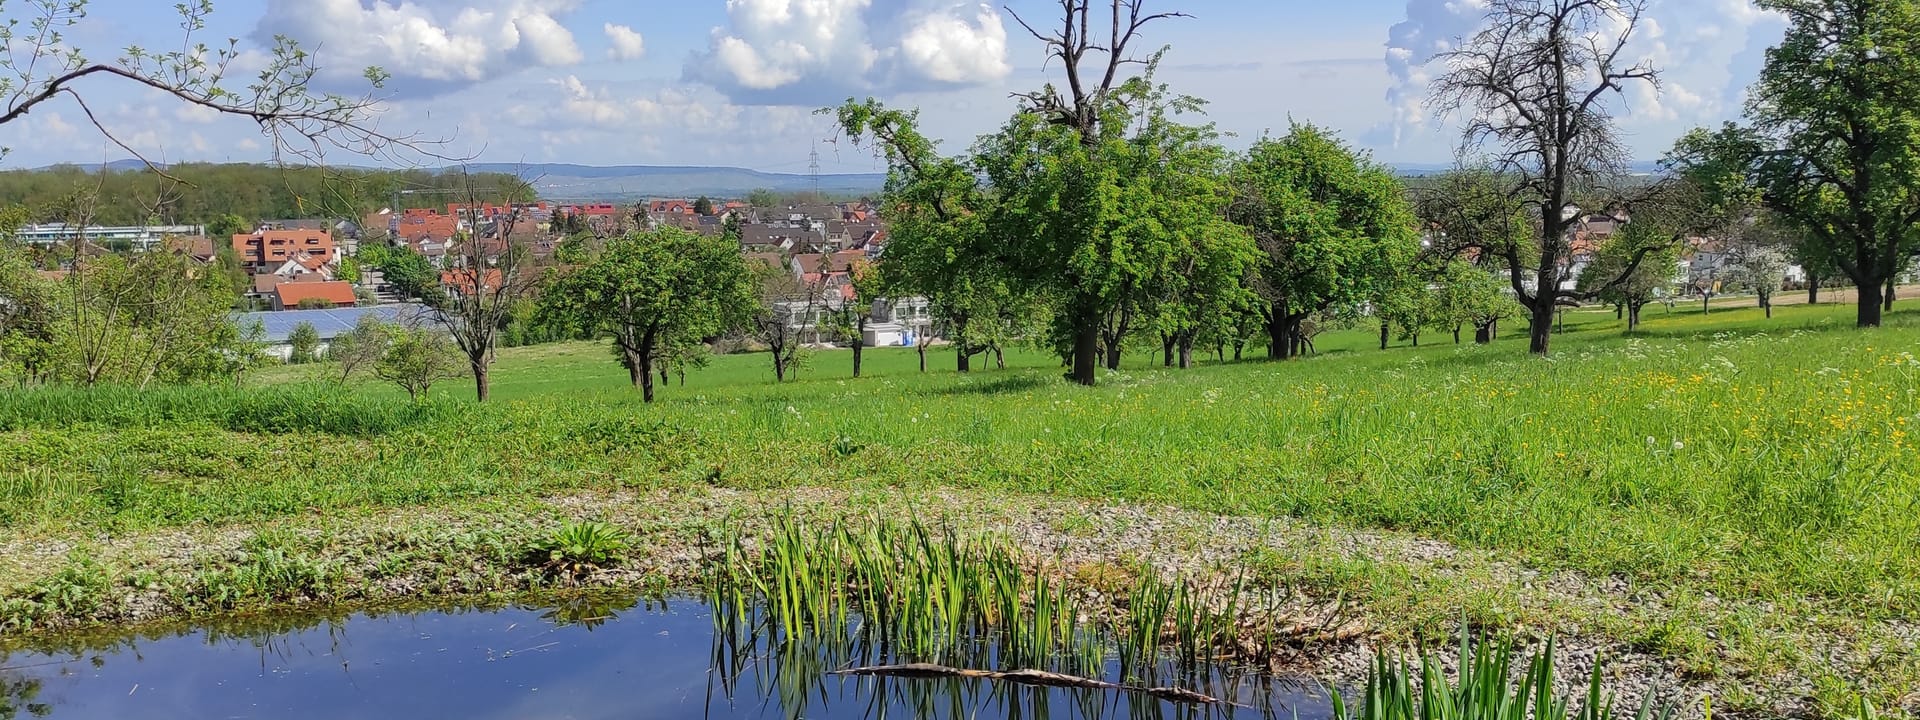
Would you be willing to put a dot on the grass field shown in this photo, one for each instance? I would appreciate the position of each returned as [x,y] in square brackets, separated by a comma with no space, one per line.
[1723,456]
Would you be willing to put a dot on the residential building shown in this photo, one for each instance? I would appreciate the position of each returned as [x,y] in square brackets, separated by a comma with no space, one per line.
[271,248]
[137,237]
[289,295]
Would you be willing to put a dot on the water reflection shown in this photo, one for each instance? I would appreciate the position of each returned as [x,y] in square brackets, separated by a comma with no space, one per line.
[588,657]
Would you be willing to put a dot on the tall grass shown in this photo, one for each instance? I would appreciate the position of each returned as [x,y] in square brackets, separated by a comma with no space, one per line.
[1485,689]
[930,595]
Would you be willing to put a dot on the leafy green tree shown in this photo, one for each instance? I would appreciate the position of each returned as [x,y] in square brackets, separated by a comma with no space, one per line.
[1332,229]
[223,227]
[1069,224]
[1472,296]
[730,228]
[703,206]
[1408,309]
[133,320]
[348,270]
[763,198]
[407,271]
[361,348]
[1609,279]
[653,290]
[303,343]
[417,358]
[939,247]
[1834,139]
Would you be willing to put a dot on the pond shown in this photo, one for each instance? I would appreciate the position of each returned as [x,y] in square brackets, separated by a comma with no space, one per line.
[598,658]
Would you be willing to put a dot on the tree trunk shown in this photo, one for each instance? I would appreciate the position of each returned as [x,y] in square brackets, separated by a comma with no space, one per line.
[646,373]
[1416,338]
[1813,290]
[1706,307]
[1766,303]
[922,347]
[1186,352]
[1383,336]
[1279,343]
[963,360]
[1618,310]
[482,387]
[1886,301]
[779,366]
[1113,356]
[633,367]
[1633,316]
[857,345]
[1086,342]
[999,358]
[1540,329]
[1483,334]
[1868,309]
[1238,347]
[1166,350]
[1456,333]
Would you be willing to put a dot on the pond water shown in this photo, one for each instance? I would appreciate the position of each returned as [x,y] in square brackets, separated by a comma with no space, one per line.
[585,659]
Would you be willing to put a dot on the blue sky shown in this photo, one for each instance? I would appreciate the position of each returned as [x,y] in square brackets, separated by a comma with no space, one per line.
[713,82]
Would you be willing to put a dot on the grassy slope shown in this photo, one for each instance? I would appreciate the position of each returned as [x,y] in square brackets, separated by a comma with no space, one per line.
[1721,456]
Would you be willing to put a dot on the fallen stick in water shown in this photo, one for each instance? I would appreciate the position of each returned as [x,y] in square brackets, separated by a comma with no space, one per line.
[1031,677]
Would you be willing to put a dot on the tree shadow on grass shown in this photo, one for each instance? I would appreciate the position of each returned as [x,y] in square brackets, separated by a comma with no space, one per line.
[997,386]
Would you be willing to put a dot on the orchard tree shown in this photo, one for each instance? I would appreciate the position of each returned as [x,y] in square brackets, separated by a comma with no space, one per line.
[303,343]
[651,291]
[1535,88]
[1079,239]
[1762,268]
[1834,139]
[936,209]
[1610,280]
[359,349]
[1330,227]
[787,314]
[1407,309]
[857,311]
[1470,295]
[419,357]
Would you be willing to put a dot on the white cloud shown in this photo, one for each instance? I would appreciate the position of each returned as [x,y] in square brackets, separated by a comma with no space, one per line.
[812,51]
[427,45]
[627,44]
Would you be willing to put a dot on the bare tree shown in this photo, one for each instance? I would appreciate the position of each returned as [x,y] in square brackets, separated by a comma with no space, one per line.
[1534,88]
[1091,56]
[789,309]
[491,269]
[40,64]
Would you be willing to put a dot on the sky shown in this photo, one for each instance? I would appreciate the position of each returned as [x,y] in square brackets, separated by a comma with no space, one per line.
[736,82]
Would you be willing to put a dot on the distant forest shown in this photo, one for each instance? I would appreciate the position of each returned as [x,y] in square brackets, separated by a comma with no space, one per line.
[204,192]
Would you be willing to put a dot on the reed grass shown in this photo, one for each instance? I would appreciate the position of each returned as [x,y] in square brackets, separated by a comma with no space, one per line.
[1489,686]
[930,595]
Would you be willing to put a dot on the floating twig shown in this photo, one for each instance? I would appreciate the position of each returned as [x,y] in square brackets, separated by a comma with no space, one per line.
[1032,677]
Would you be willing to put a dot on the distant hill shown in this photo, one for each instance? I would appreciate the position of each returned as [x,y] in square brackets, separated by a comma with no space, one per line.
[1403,169]
[625,182]
[565,181]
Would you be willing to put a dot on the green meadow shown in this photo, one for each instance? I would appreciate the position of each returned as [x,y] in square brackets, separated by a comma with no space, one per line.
[1770,462]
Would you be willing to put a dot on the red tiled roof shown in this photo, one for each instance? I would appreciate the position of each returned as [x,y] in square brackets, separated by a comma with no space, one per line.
[291,293]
